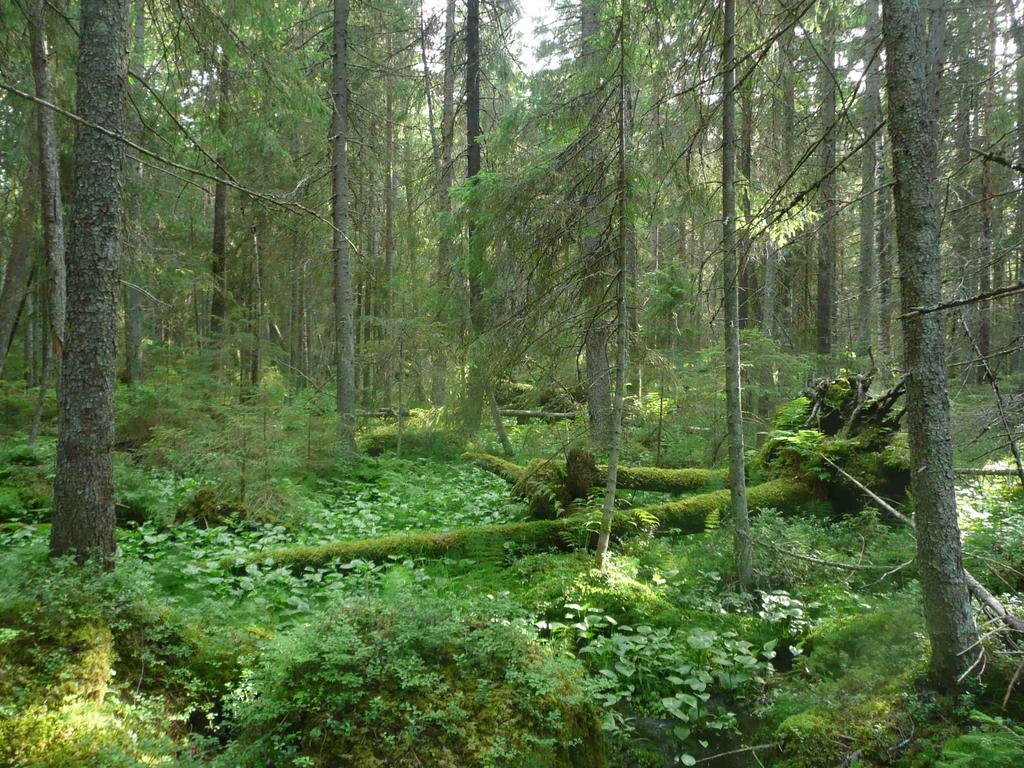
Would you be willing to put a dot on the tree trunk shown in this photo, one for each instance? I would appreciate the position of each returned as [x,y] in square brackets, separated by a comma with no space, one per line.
[913,127]
[745,247]
[389,221]
[49,174]
[985,241]
[133,321]
[83,493]
[219,267]
[730,280]
[596,332]
[476,385]
[621,316]
[827,242]
[18,272]
[1018,36]
[439,374]
[868,267]
[344,340]
[256,313]
[886,260]
[788,251]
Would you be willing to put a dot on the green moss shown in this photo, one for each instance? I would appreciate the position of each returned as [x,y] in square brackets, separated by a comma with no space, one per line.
[417,440]
[698,513]
[860,670]
[79,733]
[89,675]
[665,480]
[500,467]
[555,580]
[477,542]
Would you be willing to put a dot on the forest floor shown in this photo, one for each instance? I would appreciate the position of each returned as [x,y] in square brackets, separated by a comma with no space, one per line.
[161,661]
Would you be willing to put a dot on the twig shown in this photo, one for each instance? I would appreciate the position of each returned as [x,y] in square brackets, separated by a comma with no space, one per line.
[1006,290]
[740,751]
[1000,404]
[975,587]
[834,563]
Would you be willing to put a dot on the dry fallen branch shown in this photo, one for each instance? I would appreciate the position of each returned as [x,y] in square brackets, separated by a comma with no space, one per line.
[975,587]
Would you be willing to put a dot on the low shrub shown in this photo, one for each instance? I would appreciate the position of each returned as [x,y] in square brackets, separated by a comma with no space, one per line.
[414,681]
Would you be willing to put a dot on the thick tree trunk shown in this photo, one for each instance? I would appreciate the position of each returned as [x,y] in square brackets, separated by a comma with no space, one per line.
[18,272]
[83,493]
[827,241]
[730,278]
[868,267]
[476,384]
[913,126]
[344,338]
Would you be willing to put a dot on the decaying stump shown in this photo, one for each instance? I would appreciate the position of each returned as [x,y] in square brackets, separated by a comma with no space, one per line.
[839,419]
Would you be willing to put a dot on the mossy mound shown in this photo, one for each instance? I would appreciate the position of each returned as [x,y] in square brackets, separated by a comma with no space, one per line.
[415,681]
[556,581]
[860,671]
[26,482]
[77,733]
[417,440]
[210,507]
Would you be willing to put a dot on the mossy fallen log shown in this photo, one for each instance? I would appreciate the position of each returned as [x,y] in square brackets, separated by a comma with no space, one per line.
[489,542]
[703,511]
[478,542]
[496,465]
[665,480]
[629,478]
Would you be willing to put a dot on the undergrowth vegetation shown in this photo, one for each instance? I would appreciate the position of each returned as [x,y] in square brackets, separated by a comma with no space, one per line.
[203,648]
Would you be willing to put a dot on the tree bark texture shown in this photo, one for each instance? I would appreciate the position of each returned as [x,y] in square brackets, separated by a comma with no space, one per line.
[913,127]
[83,493]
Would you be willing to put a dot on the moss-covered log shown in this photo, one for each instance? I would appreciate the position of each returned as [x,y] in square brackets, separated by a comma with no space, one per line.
[698,513]
[496,465]
[666,480]
[478,542]
[629,478]
[490,542]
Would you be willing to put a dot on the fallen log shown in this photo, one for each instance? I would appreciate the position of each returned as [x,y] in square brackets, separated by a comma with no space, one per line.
[496,465]
[989,602]
[629,478]
[975,472]
[544,415]
[692,515]
[665,480]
